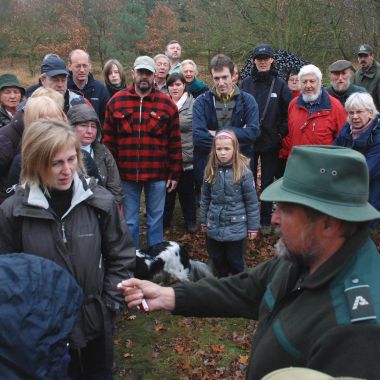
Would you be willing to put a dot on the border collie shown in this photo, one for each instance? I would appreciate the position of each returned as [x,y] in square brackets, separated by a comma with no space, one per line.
[169,262]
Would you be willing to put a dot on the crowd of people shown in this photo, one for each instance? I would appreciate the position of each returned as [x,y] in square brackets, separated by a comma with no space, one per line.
[76,153]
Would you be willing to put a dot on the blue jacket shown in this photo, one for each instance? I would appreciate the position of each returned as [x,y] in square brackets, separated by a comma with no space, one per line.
[96,92]
[229,209]
[245,125]
[39,306]
[369,145]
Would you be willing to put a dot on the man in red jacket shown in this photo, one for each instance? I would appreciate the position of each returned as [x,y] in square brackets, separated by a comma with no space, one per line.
[314,117]
[141,130]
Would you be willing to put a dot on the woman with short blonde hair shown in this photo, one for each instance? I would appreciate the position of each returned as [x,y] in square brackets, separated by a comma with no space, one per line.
[60,215]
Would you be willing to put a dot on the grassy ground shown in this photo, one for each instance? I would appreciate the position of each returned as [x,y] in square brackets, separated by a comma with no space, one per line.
[162,346]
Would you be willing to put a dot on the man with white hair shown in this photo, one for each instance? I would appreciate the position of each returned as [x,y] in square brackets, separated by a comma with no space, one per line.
[340,73]
[162,71]
[314,117]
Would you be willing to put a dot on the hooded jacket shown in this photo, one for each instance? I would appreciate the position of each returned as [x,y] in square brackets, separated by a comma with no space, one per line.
[39,306]
[91,241]
[229,209]
[106,165]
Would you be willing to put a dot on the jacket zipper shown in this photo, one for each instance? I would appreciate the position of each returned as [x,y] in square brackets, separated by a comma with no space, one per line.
[138,152]
[63,232]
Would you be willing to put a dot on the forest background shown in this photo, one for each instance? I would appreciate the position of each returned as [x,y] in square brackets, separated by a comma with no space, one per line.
[158,345]
[320,31]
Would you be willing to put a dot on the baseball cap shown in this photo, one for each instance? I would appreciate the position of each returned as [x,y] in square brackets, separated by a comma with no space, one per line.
[53,65]
[262,49]
[365,49]
[144,62]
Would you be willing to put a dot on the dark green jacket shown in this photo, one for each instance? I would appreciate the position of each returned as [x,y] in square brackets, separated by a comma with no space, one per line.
[370,80]
[328,321]
[343,96]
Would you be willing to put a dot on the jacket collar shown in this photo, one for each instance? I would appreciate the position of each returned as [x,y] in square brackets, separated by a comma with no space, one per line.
[334,265]
[324,102]
[81,191]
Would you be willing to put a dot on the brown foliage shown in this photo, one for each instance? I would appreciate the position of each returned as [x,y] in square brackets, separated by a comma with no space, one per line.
[161,26]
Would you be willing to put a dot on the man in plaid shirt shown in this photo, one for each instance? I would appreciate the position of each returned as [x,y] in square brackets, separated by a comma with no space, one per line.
[141,129]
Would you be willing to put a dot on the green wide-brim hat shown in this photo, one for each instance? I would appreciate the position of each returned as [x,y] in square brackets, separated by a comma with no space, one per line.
[10,80]
[331,179]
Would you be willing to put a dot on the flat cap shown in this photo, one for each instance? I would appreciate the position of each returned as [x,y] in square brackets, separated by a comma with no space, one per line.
[340,65]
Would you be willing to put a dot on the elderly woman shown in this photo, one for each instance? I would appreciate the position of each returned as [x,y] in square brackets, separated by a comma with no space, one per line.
[114,76]
[362,133]
[58,214]
[193,85]
[87,126]
[11,94]
[186,185]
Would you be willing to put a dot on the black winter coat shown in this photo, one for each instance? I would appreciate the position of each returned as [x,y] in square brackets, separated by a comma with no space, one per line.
[275,123]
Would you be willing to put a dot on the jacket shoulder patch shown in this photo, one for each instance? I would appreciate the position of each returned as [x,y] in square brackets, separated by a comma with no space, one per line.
[360,303]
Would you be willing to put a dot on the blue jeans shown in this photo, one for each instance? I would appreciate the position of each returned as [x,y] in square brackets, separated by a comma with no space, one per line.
[155,193]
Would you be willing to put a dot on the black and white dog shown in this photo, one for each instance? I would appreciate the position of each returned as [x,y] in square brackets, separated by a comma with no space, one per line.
[169,262]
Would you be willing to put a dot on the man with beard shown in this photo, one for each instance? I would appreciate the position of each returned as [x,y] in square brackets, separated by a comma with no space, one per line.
[317,301]
[368,75]
[340,81]
[272,96]
[315,117]
[142,132]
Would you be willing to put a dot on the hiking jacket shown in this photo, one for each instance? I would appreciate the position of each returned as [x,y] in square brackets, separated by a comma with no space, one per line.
[143,135]
[343,96]
[95,91]
[319,128]
[245,125]
[39,306]
[229,209]
[108,171]
[369,145]
[370,80]
[185,124]
[10,141]
[275,124]
[4,117]
[91,241]
[327,321]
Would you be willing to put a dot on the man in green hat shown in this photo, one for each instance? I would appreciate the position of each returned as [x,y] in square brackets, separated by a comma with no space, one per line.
[11,94]
[318,300]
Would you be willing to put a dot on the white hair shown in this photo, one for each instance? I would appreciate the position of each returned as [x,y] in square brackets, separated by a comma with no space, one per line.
[190,62]
[360,100]
[310,69]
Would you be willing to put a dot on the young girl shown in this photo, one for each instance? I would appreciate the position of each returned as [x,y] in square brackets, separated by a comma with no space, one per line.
[229,208]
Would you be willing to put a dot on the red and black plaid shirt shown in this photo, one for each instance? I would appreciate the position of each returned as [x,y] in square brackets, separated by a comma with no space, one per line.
[144,136]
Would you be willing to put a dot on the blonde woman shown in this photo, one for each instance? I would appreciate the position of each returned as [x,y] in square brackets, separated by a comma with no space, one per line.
[60,215]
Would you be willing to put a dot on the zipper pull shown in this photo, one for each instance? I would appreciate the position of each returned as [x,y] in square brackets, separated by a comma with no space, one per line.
[63,233]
